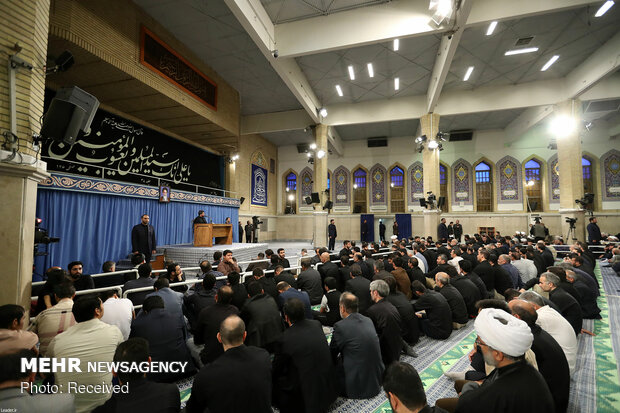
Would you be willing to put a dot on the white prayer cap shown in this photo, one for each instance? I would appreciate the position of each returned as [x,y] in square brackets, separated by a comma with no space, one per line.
[503,332]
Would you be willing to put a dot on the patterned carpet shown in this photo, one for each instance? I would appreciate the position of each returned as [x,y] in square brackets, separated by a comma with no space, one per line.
[595,386]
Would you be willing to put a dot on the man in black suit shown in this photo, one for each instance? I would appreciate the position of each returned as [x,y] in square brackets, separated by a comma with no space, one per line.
[268,284]
[387,322]
[545,253]
[327,268]
[303,374]
[485,271]
[344,272]
[240,232]
[454,299]
[309,280]
[333,233]
[442,266]
[262,317]
[201,298]
[144,280]
[442,231]
[458,231]
[143,394]
[367,270]
[239,292]
[346,249]
[594,232]
[433,311]
[380,272]
[404,390]
[360,287]
[355,348]
[208,324]
[200,219]
[569,307]
[381,231]
[143,238]
[246,369]
[365,230]
[249,229]
[409,326]
[468,290]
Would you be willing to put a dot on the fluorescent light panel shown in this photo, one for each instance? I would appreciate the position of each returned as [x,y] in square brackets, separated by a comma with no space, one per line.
[549,63]
[491,28]
[468,73]
[606,6]
[396,44]
[339,90]
[351,73]
[371,71]
[396,83]
[521,51]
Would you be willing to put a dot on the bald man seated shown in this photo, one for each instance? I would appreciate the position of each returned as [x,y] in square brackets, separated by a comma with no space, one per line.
[246,370]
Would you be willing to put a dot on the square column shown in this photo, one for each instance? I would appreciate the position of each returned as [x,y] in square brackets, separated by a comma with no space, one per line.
[429,124]
[570,169]
[320,185]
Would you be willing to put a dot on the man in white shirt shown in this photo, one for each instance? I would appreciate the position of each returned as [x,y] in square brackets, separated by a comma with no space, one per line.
[526,267]
[455,255]
[117,312]
[90,340]
[556,325]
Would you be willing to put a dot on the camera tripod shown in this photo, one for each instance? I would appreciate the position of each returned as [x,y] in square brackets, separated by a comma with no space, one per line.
[571,230]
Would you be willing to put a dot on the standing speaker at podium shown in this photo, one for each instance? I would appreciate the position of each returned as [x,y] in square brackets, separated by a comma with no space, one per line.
[200,219]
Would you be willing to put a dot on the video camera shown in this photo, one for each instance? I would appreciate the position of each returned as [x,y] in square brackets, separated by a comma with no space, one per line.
[571,221]
[41,236]
[256,221]
[587,199]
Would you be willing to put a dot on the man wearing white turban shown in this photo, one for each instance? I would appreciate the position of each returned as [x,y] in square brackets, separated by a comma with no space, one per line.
[513,386]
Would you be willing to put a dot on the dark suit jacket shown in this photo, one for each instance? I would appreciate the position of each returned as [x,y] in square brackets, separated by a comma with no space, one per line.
[246,369]
[310,282]
[262,320]
[303,374]
[356,341]
[456,302]
[286,276]
[360,287]
[199,220]
[442,232]
[469,292]
[409,321]
[438,313]
[387,322]
[332,232]
[144,396]
[240,295]
[194,304]
[344,275]
[207,327]
[487,274]
[329,269]
[300,295]
[138,298]
[163,347]
[502,279]
[141,241]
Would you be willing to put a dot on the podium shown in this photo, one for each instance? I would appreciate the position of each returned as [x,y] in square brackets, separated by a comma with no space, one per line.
[205,233]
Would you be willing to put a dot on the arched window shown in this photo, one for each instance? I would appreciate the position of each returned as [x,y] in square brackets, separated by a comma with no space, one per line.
[290,193]
[359,191]
[443,185]
[588,181]
[533,185]
[484,187]
[397,189]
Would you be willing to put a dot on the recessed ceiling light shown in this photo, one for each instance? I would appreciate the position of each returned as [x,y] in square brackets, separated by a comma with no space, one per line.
[491,28]
[339,90]
[351,73]
[396,83]
[371,71]
[396,45]
[468,73]
[606,6]
[549,63]
[521,51]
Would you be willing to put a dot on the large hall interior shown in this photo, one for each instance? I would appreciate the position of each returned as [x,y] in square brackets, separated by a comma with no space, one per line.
[163,133]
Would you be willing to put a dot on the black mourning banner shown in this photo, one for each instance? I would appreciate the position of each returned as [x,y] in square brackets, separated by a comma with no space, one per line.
[163,60]
[121,150]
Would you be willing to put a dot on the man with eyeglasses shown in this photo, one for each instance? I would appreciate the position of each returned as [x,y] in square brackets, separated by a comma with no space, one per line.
[513,386]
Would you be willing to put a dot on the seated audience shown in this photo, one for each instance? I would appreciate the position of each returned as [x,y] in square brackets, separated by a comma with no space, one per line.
[144,280]
[240,294]
[287,292]
[80,281]
[262,317]
[568,306]
[13,337]
[555,324]
[360,287]
[207,268]
[56,319]
[401,276]
[16,385]
[260,263]
[280,274]
[466,271]
[433,311]
[228,265]
[404,390]
[303,373]
[329,313]
[281,258]
[208,324]
[454,298]
[552,363]
[55,276]
[202,298]
[485,271]
[174,274]
[328,268]
[90,340]
[355,349]
[589,306]
[149,325]
[527,269]
[387,322]
[468,290]
[309,280]
[380,272]
[515,276]
[409,326]
[268,284]
[246,370]
[117,312]
[144,395]
[173,300]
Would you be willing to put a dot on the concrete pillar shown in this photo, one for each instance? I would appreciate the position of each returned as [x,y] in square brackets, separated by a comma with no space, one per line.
[26,24]
[429,124]
[320,185]
[570,171]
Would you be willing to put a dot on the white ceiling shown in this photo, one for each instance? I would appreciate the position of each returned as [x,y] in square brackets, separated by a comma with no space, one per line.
[215,34]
